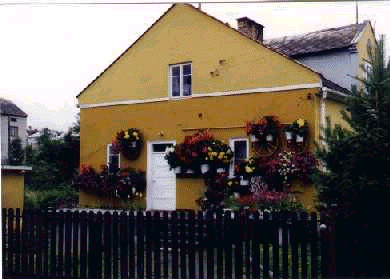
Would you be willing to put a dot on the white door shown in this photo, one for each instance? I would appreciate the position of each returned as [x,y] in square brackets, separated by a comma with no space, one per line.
[161,193]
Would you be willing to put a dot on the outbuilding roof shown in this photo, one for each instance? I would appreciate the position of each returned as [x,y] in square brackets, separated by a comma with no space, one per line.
[9,108]
[330,39]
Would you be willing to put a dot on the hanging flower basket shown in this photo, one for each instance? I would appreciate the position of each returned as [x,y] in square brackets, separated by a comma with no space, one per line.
[297,132]
[264,130]
[129,143]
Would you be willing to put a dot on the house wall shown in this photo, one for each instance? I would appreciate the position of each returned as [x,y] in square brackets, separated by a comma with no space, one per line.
[333,111]
[184,34]
[339,67]
[361,46]
[225,116]
[12,190]
[21,123]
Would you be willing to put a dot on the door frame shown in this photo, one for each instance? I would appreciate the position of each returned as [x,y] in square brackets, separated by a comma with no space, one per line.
[149,166]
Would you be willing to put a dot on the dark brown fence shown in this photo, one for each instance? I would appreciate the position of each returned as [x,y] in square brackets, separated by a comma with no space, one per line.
[178,244]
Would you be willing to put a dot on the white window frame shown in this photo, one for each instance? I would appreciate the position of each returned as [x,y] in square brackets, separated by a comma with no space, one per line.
[109,148]
[367,70]
[231,143]
[181,65]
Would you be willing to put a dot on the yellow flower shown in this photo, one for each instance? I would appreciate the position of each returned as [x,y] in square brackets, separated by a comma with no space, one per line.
[137,138]
[126,135]
[135,134]
[300,122]
[248,169]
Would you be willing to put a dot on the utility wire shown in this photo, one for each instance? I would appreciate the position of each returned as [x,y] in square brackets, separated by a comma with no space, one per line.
[31,3]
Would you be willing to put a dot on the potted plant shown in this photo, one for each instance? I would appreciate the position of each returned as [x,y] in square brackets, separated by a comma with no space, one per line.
[171,155]
[246,169]
[129,143]
[218,155]
[297,131]
[264,130]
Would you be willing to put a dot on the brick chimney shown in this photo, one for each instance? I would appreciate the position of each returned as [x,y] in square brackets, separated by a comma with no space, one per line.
[250,28]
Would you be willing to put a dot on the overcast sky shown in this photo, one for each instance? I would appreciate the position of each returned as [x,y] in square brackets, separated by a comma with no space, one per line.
[49,53]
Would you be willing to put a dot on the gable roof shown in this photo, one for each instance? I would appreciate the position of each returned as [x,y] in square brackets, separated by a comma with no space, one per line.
[215,19]
[9,108]
[331,39]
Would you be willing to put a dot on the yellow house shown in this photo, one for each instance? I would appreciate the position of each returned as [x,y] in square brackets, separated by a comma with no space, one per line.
[190,71]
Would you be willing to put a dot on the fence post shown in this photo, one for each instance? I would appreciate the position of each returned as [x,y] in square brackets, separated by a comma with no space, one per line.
[328,244]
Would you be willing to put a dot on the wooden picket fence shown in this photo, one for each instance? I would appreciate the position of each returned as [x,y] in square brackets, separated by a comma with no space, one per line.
[154,244]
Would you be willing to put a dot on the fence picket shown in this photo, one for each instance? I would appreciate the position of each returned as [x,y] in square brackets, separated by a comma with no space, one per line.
[156,236]
[149,243]
[52,219]
[10,240]
[83,244]
[132,244]
[228,244]
[115,245]
[303,229]
[4,226]
[175,246]
[314,245]
[210,223]
[75,245]
[256,233]
[267,233]
[68,243]
[294,245]
[123,245]
[165,222]
[285,242]
[107,243]
[191,244]
[275,239]
[140,244]
[238,255]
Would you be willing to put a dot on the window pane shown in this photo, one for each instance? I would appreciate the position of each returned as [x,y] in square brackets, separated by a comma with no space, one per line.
[175,86]
[114,161]
[13,131]
[187,69]
[240,150]
[161,147]
[175,71]
[187,86]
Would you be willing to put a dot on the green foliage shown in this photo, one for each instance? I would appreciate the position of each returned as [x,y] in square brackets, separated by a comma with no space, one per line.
[15,152]
[357,162]
[60,196]
[54,162]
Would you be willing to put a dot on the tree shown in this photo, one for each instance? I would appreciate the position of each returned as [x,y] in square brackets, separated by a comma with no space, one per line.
[357,175]
[15,152]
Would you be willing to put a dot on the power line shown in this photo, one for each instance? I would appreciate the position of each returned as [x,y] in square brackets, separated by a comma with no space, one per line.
[32,3]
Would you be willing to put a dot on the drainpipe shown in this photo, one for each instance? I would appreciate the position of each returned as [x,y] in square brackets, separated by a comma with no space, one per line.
[323,111]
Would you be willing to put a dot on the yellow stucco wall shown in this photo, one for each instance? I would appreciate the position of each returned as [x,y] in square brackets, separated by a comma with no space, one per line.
[178,118]
[186,35]
[361,46]
[333,111]
[12,190]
